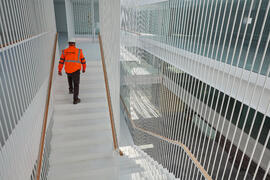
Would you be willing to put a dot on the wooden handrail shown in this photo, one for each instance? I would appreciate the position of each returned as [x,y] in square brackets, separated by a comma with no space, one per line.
[114,135]
[184,147]
[45,119]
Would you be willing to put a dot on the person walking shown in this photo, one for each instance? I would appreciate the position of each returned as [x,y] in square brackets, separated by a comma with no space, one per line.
[73,60]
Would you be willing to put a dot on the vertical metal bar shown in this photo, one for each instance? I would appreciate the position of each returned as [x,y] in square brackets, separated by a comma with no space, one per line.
[196,49]
[15,65]
[224,97]
[93,19]
[223,46]
[18,63]
[165,92]
[254,90]
[181,95]
[262,153]
[168,92]
[161,120]
[7,40]
[184,81]
[26,51]
[226,137]
[266,171]
[176,88]
[172,88]
[204,47]
[178,79]
[187,82]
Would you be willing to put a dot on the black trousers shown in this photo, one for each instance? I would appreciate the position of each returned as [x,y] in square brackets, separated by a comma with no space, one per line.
[73,83]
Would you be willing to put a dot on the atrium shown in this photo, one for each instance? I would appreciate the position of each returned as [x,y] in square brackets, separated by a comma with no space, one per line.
[168,89]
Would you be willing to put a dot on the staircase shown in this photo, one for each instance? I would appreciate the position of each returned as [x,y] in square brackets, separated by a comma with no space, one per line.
[81,145]
[81,133]
[145,167]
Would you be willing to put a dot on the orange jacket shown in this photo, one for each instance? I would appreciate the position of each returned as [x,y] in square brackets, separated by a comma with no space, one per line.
[73,59]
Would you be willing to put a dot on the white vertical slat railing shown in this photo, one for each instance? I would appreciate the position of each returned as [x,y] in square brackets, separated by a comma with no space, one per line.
[27,31]
[214,94]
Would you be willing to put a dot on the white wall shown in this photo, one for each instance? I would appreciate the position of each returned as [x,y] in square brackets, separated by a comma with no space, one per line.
[70,19]
[110,33]
[60,16]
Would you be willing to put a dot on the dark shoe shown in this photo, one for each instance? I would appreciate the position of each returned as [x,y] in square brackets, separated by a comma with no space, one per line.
[71,91]
[77,101]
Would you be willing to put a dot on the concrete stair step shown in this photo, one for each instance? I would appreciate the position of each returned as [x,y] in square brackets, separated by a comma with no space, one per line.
[94,68]
[92,164]
[82,112]
[71,117]
[153,169]
[86,80]
[92,82]
[66,96]
[59,153]
[93,77]
[80,106]
[94,63]
[94,127]
[82,138]
[80,143]
[100,174]
[73,157]
[82,90]
[79,123]
[90,99]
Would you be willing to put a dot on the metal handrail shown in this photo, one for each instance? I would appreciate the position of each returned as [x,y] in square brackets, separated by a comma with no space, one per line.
[114,135]
[184,147]
[45,119]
